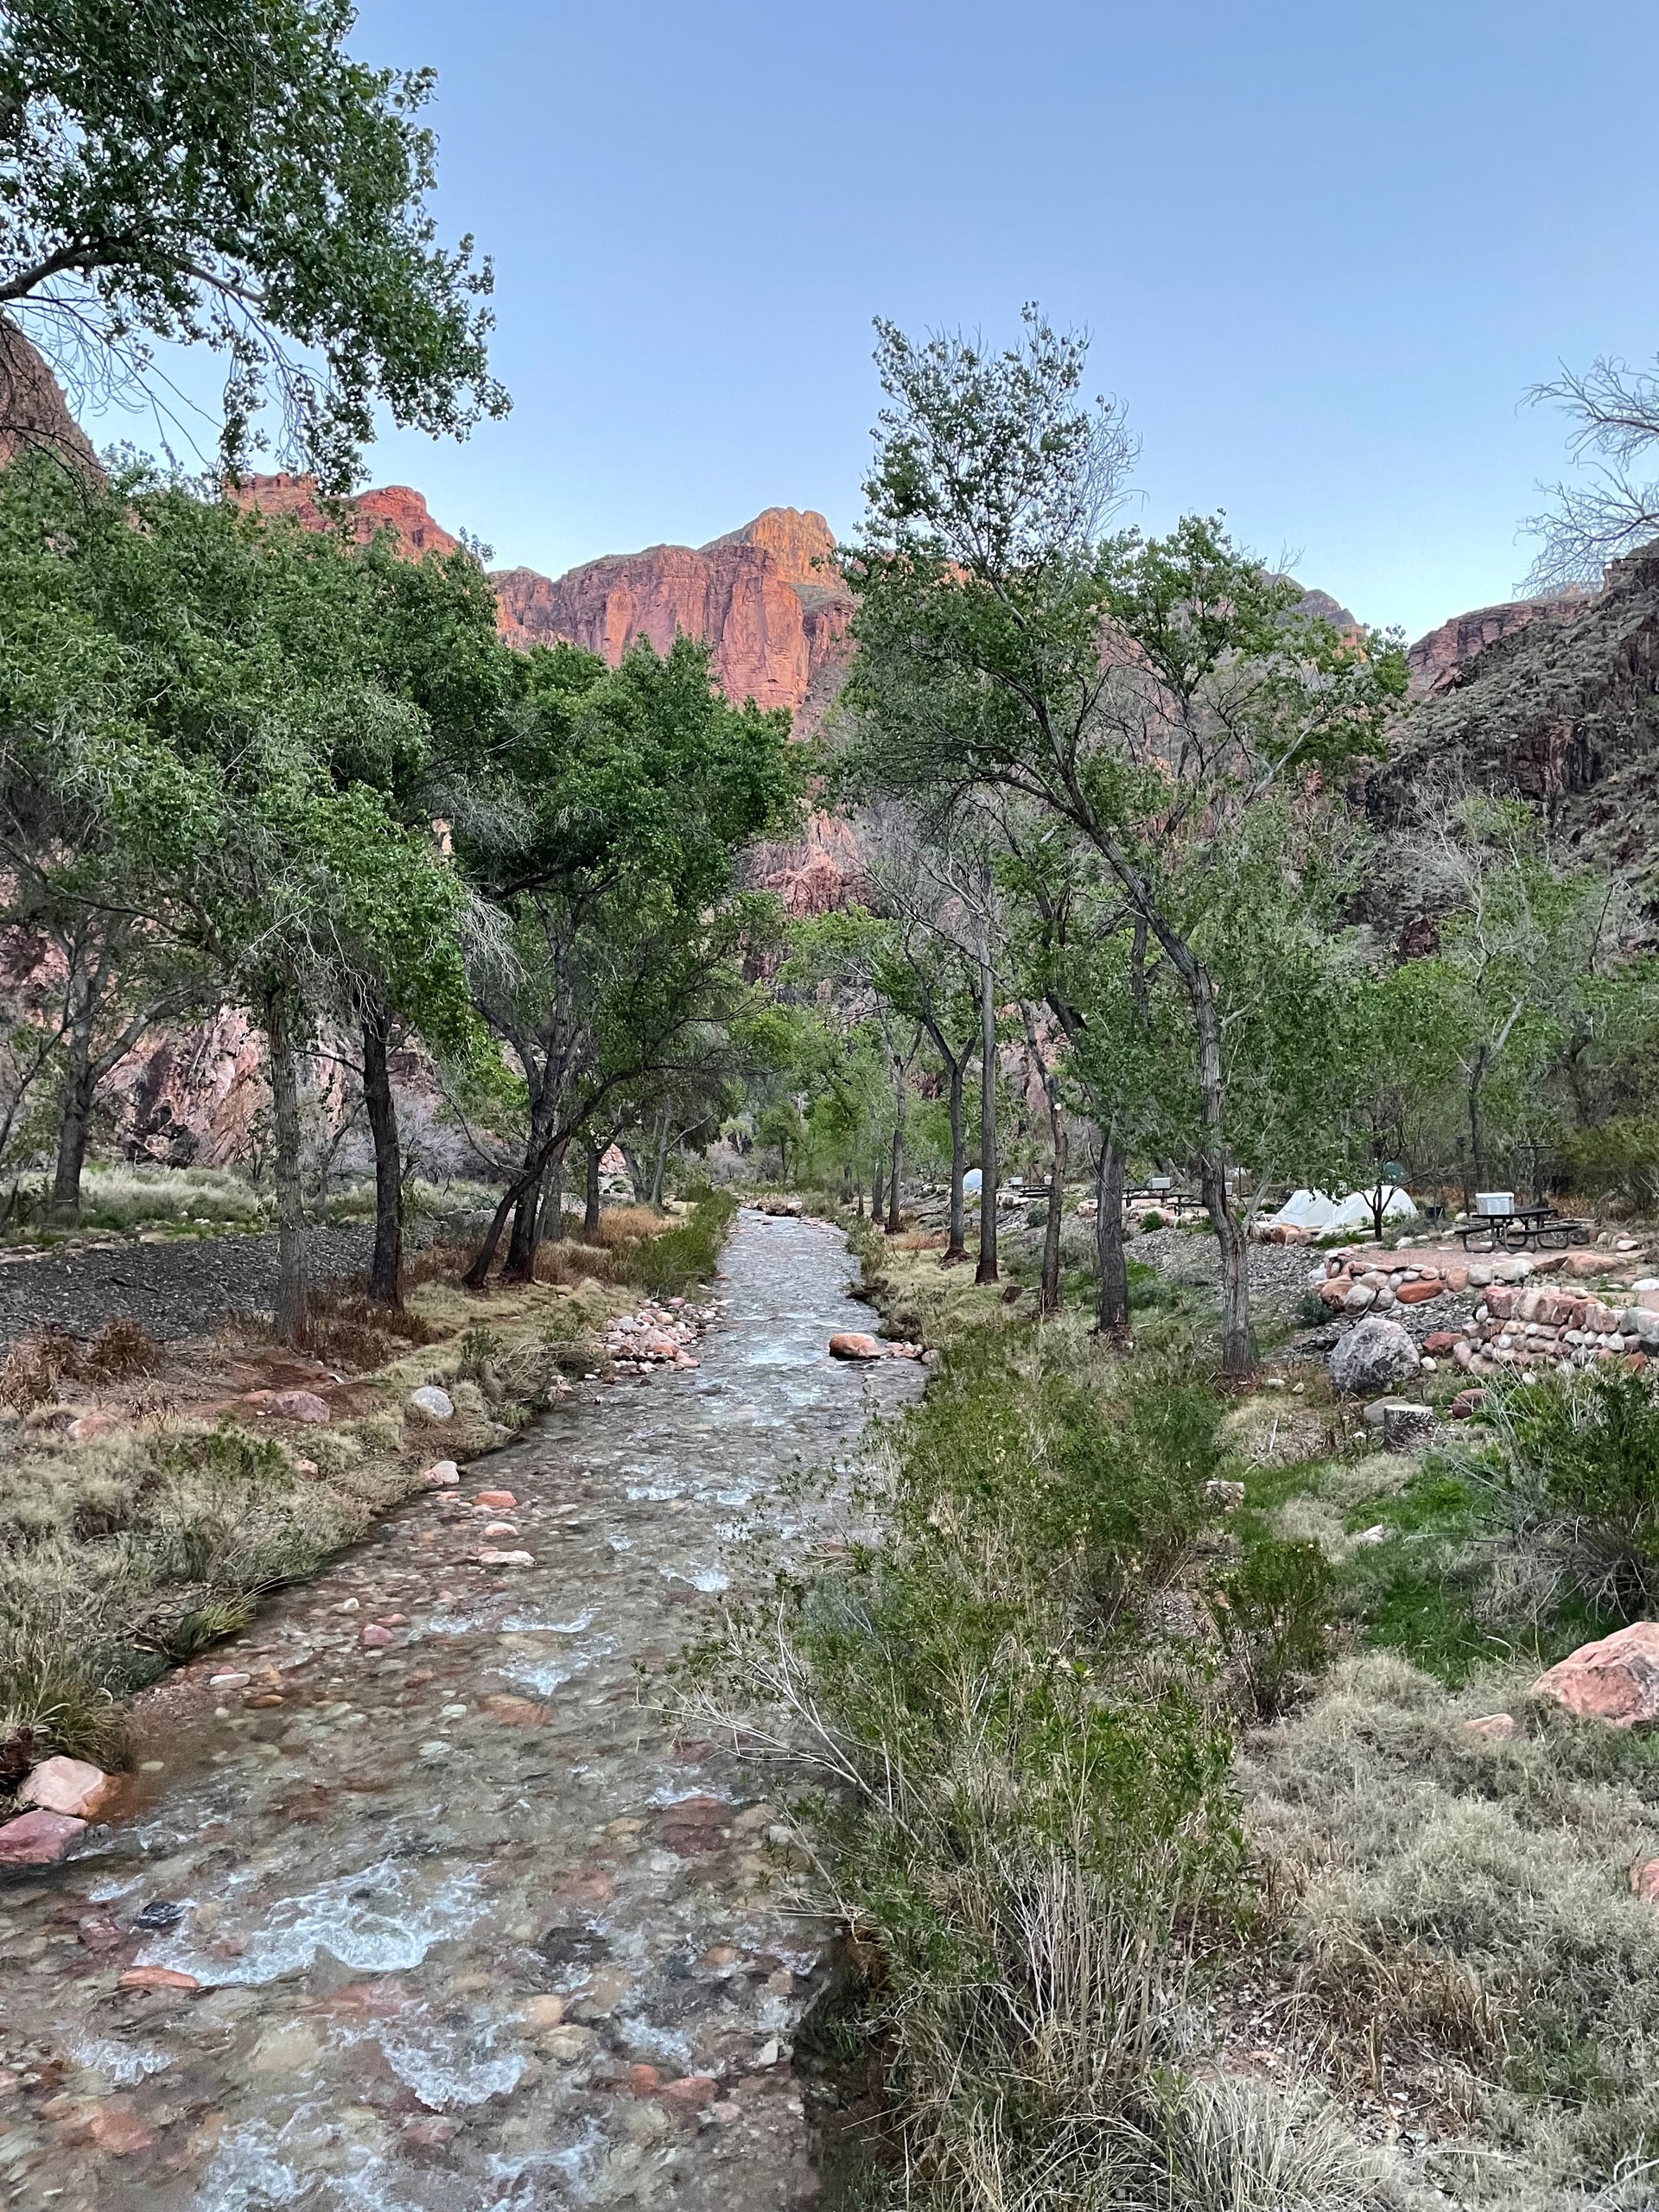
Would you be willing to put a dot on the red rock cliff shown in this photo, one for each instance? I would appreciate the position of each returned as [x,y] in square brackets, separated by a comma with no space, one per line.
[764,598]
[394,506]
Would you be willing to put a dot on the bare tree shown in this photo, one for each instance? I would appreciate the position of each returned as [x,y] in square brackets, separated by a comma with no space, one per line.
[1613,410]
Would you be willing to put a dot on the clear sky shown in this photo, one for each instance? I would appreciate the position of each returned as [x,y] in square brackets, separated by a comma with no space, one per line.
[1322,251]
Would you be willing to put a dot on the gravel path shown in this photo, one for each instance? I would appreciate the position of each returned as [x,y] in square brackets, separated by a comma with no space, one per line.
[178,1289]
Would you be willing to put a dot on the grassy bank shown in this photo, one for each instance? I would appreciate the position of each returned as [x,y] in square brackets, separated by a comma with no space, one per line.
[1132,1749]
[147,1502]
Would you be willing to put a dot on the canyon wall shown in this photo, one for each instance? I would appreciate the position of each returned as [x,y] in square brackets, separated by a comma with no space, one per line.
[764,598]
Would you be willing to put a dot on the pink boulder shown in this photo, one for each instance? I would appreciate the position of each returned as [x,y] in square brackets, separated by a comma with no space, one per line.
[1418,1293]
[71,1786]
[39,1838]
[854,1344]
[1644,1880]
[498,1498]
[300,1405]
[372,1636]
[1615,1679]
[84,1426]
[1492,1727]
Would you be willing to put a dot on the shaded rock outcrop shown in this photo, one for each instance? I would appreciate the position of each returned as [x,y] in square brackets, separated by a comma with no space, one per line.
[1559,709]
[34,413]
[1441,660]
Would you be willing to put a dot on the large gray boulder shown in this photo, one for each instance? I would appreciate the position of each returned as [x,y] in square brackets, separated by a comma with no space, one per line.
[1373,1354]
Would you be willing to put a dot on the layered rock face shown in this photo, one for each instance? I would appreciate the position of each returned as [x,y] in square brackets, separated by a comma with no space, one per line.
[765,599]
[393,506]
[34,412]
[1440,661]
[1557,709]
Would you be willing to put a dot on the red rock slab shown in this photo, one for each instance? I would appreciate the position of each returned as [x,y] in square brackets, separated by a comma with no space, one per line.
[500,1500]
[854,1344]
[71,1786]
[1419,1292]
[1442,1340]
[156,1978]
[690,2091]
[515,1711]
[39,1838]
[1644,1880]
[1615,1679]
[116,2130]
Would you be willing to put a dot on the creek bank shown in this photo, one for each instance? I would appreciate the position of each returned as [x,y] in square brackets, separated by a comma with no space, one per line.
[468,1924]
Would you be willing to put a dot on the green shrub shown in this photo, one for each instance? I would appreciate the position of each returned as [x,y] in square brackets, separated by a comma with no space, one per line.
[1274,1611]
[673,1264]
[1578,1474]
[1022,1786]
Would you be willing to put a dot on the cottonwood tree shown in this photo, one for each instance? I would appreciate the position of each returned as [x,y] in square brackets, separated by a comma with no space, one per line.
[603,825]
[221,172]
[1148,693]
[251,798]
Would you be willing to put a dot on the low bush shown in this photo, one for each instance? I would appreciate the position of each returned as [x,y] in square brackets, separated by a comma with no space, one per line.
[1575,1466]
[35,1366]
[1276,1612]
[1020,1797]
[672,1262]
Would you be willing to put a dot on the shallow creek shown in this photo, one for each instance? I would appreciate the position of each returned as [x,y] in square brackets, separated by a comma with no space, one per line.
[457,1955]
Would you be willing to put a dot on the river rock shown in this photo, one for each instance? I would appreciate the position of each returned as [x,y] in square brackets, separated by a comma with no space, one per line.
[489,1557]
[1616,1679]
[854,1344]
[300,1405]
[39,1838]
[1492,1727]
[434,1404]
[71,1786]
[157,1978]
[1373,1354]
[499,1501]
[373,1637]
[441,1474]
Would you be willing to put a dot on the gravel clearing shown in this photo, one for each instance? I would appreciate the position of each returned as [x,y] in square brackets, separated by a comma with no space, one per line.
[177,1288]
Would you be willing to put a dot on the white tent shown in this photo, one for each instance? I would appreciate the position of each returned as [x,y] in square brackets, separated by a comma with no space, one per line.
[1320,1215]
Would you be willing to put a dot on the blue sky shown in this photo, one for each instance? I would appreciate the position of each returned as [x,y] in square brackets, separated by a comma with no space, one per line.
[1322,251]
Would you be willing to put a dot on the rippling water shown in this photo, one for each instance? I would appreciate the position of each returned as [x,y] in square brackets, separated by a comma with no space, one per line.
[452,1962]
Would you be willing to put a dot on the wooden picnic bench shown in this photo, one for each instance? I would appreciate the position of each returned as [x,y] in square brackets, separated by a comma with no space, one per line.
[1540,1228]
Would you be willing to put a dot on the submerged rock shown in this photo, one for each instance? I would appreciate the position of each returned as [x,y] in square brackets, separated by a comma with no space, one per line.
[854,1344]
[39,1838]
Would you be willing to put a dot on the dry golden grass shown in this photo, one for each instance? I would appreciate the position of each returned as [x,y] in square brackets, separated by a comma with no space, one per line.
[36,1365]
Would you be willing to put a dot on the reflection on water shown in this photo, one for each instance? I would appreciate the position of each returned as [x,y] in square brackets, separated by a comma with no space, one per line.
[472,1931]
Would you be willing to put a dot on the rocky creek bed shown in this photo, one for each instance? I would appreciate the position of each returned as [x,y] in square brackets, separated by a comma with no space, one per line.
[448,1920]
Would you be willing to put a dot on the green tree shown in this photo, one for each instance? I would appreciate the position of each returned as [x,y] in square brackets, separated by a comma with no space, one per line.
[603,825]
[1150,694]
[221,172]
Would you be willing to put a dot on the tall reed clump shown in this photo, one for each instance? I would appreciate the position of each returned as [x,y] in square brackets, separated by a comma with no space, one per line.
[1018,1789]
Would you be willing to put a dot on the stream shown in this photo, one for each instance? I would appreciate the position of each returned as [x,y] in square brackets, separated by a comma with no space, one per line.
[472,1931]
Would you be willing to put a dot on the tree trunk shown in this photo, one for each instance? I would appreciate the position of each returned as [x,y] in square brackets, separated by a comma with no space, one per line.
[876,1188]
[79,1086]
[661,1166]
[590,1211]
[1477,1128]
[1113,1318]
[956,1249]
[1238,1354]
[1049,1301]
[986,1269]
[386,1267]
[550,1220]
[292,1287]
[893,1223]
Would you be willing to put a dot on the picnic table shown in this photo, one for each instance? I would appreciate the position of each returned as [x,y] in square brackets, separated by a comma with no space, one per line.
[1539,1227]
